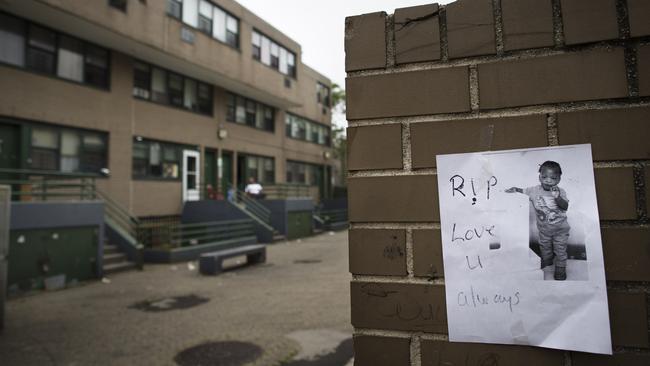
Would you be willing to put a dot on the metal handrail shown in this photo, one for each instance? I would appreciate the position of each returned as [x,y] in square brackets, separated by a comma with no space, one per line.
[49,173]
[44,185]
[251,205]
[288,190]
[48,182]
[254,207]
[181,235]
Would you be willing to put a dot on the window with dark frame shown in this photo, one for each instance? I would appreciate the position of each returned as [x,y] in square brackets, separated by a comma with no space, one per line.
[322,94]
[45,51]
[169,88]
[261,168]
[67,150]
[298,172]
[118,4]
[303,129]
[175,89]
[174,8]
[208,18]
[273,54]
[249,112]
[156,159]
[41,49]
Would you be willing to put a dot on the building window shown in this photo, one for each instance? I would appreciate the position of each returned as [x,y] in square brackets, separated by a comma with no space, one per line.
[155,159]
[165,87]
[42,50]
[257,46]
[96,66]
[323,94]
[142,80]
[174,8]
[304,173]
[304,129]
[249,112]
[205,17]
[67,150]
[118,4]
[71,59]
[208,18]
[261,168]
[12,40]
[273,54]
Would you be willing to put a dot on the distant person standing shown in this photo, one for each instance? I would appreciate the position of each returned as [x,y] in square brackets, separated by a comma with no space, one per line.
[254,189]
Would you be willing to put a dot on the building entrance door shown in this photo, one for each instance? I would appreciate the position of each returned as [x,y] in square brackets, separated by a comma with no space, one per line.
[210,173]
[9,138]
[191,175]
[225,171]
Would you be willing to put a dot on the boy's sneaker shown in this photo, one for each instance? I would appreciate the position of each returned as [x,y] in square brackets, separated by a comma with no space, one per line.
[560,273]
[546,262]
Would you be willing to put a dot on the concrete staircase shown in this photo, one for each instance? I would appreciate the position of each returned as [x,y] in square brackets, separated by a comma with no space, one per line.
[115,261]
[257,212]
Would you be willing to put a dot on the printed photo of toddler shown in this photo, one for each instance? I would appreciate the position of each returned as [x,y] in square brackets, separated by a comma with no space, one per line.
[550,203]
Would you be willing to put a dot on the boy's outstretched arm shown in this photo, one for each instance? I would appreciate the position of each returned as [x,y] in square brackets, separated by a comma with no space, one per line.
[514,189]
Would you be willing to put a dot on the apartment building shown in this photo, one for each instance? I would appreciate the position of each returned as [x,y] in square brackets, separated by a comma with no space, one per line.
[159,97]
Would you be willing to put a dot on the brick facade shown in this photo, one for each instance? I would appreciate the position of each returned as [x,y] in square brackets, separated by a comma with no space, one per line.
[524,74]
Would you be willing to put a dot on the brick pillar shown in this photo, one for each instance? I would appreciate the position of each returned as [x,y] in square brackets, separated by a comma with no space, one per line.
[529,73]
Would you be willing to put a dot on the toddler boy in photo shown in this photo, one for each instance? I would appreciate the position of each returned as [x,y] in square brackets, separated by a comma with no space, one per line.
[550,203]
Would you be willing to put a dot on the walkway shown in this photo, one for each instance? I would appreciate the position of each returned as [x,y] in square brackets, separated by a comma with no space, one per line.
[292,308]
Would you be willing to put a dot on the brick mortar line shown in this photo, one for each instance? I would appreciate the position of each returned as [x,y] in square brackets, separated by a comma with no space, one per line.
[382,333]
[515,55]
[632,70]
[444,44]
[433,337]
[596,105]
[398,226]
[406,147]
[639,191]
[558,26]
[624,225]
[498,27]
[439,281]
[410,270]
[615,164]
[622,19]
[390,173]
[598,164]
[626,349]
[474,91]
[567,358]
[390,42]
[399,334]
[604,224]
[629,287]
[552,130]
[415,351]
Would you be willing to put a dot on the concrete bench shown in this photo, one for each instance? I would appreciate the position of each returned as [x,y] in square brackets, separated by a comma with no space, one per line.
[212,263]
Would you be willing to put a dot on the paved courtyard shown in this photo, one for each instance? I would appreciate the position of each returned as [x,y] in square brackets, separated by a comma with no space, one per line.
[293,310]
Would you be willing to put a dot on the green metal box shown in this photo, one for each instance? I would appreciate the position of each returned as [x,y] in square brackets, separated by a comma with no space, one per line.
[35,254]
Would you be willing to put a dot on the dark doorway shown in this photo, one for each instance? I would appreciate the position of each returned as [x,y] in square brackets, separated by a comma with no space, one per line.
[227,180]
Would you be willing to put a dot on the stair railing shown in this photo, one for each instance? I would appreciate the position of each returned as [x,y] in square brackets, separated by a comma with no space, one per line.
[251,205]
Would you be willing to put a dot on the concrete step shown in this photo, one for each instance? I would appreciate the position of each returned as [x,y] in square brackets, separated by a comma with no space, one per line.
[118,267]
[114,258]
[111,249]
[278,237]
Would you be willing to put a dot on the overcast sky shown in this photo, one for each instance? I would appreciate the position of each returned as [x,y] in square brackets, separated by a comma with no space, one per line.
[318,26]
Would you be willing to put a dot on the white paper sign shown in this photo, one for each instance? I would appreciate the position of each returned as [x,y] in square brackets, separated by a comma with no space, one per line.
[504,216]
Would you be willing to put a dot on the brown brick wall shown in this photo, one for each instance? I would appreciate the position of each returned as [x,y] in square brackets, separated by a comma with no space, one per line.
[488,75]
